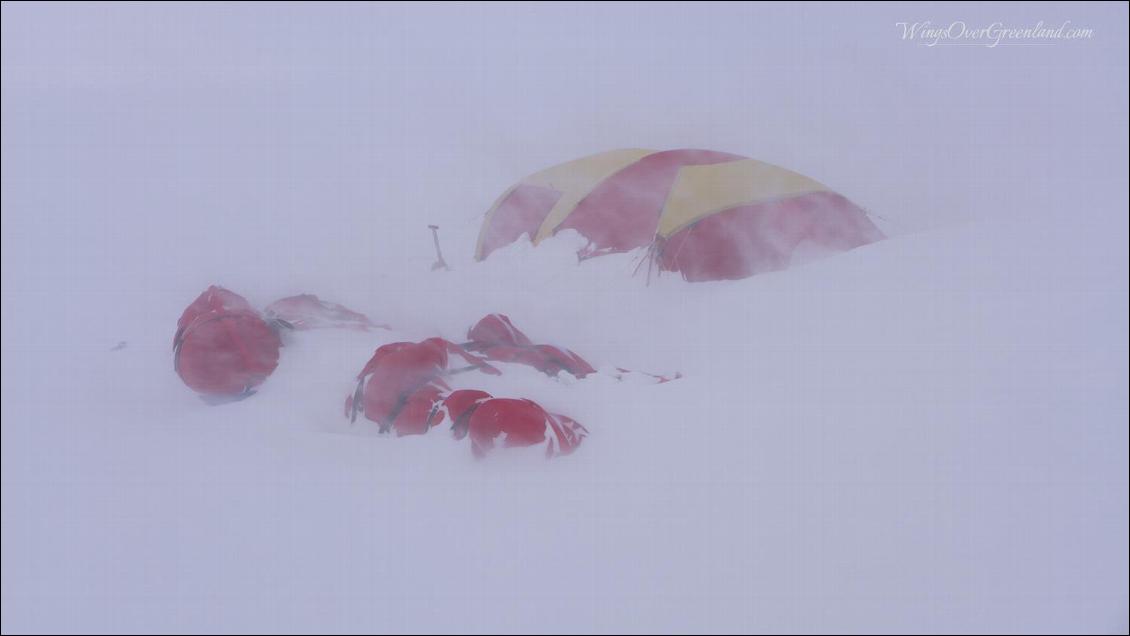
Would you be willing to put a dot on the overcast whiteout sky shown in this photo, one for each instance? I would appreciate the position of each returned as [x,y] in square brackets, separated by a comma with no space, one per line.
[954,399]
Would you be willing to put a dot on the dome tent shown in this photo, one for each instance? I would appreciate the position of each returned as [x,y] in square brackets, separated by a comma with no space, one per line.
[708,215]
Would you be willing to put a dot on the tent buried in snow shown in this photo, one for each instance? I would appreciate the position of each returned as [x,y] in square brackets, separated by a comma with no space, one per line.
[708,215]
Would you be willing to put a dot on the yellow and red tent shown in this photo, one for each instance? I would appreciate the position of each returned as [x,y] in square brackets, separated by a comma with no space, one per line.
[708,215]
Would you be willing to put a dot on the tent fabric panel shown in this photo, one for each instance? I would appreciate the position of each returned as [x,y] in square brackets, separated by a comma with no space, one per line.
[761,237]
[702,190]
[622,212]
[488,219]
[576,179]
[522,211]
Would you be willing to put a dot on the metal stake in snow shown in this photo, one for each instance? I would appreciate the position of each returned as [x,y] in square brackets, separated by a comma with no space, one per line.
[440,263]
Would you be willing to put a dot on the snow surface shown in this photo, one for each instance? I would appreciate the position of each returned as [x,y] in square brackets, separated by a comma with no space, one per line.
[926,434]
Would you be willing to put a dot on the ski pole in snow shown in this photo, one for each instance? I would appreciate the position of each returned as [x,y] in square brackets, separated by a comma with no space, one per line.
[440,263]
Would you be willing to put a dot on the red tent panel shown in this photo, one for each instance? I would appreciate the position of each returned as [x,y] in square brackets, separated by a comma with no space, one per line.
[521,212]
[622,213]
[752,239]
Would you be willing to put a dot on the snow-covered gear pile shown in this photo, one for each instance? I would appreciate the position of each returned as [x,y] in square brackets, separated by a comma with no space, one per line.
[402,389]
[403,383]
[223,347]
[307,311]
[507,423]
[497,339]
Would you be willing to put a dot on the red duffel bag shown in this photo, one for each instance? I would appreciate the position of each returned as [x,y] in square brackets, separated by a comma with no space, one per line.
[223,348]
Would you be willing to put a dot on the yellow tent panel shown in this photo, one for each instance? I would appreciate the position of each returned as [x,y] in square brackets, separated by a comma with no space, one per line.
[699,191]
